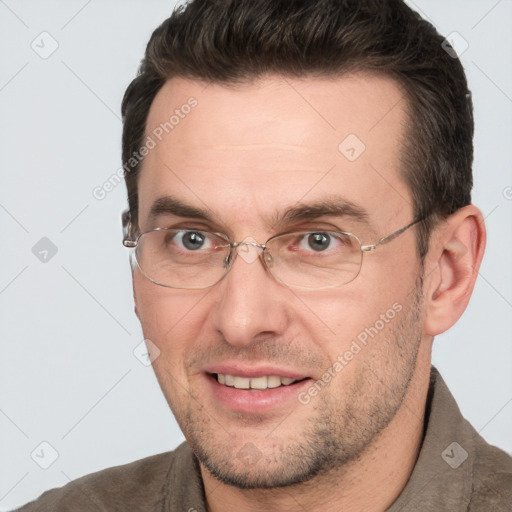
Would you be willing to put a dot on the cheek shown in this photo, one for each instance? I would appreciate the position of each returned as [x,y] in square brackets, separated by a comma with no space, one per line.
[167,316]
[361,313]
[341,315]
[171,319]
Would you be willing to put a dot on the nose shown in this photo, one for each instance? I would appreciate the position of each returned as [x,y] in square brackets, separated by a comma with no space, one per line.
[249,304]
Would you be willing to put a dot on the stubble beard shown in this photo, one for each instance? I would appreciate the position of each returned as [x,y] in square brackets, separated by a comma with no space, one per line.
[336,433]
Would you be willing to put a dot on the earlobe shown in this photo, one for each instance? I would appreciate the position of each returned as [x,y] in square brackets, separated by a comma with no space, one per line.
[453,262]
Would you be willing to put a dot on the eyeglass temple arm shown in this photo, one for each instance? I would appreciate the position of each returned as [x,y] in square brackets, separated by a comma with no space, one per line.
[126,219]
[389,238]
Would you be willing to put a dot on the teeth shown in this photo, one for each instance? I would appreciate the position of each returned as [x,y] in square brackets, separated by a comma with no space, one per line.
[242,383]
[272,381]
[259,383]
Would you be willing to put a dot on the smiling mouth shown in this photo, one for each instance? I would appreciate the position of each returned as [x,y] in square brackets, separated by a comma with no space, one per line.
[254,383]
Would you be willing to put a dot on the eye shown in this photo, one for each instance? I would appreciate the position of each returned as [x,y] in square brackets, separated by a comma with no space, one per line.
[318,242]
[327,242]
[192,240]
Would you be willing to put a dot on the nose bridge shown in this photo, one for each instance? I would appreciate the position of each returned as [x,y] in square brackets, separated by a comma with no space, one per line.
[248,249]
[247,242]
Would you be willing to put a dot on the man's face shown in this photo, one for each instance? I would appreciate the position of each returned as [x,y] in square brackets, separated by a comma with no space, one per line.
[245,156]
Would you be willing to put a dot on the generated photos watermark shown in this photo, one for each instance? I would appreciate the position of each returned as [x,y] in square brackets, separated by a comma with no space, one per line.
[157,135]
[355,348]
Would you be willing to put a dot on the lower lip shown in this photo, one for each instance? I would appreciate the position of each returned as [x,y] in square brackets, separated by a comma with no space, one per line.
[255,401]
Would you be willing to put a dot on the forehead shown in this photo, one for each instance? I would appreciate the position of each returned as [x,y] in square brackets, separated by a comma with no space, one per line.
[245,152]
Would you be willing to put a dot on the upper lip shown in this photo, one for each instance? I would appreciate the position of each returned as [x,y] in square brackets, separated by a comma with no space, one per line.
[244,370]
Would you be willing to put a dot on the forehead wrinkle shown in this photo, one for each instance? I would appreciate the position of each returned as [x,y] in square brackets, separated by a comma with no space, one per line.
[253,146]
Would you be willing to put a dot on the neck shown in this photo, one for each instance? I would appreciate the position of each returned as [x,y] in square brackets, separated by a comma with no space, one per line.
[372,482]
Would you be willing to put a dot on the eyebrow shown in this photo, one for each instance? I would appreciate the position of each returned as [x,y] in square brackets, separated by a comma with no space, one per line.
[169,205]
[333,206]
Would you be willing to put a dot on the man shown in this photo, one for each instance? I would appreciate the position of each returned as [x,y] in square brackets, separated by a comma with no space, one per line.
[299,178]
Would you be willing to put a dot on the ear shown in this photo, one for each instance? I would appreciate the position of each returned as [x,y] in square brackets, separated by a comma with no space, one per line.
[451,268]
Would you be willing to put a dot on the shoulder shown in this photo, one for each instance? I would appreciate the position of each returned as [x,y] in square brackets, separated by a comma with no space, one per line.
[139,485]
[492,479]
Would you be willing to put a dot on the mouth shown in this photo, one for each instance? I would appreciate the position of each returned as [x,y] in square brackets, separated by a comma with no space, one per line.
[254,383]
[255,391]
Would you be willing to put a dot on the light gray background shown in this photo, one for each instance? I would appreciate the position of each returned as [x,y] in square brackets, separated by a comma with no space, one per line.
[68,375]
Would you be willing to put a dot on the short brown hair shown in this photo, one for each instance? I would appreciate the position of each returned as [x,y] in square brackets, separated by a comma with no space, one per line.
[235,41]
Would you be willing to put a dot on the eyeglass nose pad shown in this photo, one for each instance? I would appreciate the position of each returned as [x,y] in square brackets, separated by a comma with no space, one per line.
[249,250]
[267,257]
[228,260]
